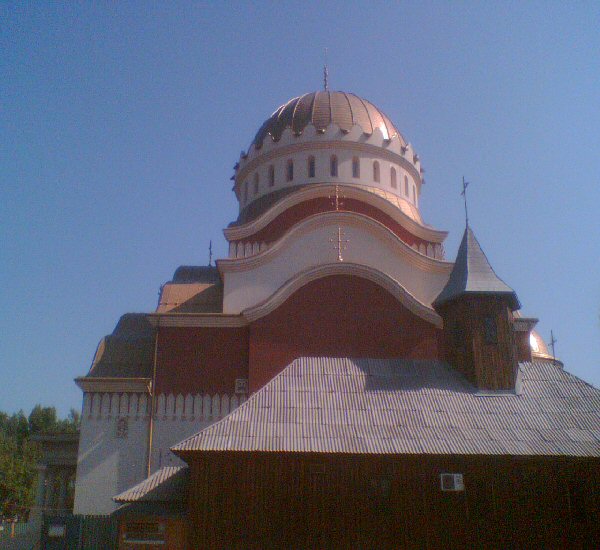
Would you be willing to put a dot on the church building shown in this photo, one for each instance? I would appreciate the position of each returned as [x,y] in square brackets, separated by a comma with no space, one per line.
[336,381]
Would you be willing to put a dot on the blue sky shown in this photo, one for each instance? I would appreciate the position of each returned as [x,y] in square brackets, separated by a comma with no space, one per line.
[120,124]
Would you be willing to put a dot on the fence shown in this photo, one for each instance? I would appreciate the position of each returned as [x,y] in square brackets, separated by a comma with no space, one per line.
[70,532]
[12,529]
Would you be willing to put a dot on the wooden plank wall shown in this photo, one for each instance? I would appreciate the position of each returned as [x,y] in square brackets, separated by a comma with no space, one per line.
[490,366]
[262,500]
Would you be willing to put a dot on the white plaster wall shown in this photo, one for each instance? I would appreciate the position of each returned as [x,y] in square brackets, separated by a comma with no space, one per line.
[108,465]
[323,175]
[178,417]
[312,243]
[258,161]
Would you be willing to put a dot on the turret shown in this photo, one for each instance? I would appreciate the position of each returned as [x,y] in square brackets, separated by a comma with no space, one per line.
[477,309]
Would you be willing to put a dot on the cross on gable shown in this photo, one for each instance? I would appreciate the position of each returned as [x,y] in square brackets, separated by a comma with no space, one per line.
[337,198]
[340,243]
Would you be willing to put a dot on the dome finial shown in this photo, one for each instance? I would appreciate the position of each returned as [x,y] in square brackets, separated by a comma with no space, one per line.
[325,73]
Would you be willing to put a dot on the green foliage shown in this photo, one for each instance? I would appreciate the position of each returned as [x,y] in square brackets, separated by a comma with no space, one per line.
[18,454]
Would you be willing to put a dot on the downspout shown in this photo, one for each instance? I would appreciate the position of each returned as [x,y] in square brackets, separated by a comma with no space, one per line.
[152,400]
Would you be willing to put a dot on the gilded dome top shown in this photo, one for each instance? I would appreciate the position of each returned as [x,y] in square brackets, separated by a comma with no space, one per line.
[322,109]
[539,350]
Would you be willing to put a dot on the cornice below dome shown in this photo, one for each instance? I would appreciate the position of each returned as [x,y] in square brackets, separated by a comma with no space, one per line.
[322,109]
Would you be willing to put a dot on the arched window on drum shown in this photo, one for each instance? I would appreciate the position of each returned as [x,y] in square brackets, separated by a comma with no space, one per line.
[311,167]
[289,173]
[355,167]
[393,181]
[271,175]
[256,181]
[333,166]
[376,175]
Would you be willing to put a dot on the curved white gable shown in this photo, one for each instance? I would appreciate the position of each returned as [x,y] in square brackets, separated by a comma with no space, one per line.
[343,268]
[312,243]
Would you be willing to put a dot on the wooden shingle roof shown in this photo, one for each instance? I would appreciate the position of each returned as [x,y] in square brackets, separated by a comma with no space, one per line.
[394,406]
[473,274]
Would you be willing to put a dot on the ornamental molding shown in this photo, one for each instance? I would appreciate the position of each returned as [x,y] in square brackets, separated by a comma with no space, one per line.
[369,195]
[112,385]
[342,268]
[196,320]
[350,219]
[367,148]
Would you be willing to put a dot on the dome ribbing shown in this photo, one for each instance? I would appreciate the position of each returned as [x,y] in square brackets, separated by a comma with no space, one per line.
[322,109]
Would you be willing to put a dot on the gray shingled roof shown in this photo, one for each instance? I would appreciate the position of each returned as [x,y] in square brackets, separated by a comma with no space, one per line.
[408,407]
[128,351]
[196,274]
[473,274]
[166,485]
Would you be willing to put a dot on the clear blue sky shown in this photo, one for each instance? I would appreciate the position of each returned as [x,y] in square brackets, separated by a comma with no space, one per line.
[120,124]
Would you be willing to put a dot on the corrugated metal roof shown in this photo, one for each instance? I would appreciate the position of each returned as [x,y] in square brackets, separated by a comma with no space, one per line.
[166,485]
[393,406]
[473,274]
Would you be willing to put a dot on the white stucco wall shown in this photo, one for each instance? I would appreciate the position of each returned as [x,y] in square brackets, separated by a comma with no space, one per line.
[321,146]
[178,417]
[108,464]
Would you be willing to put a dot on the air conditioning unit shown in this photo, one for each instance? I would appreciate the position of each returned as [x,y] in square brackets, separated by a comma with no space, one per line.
[452,482]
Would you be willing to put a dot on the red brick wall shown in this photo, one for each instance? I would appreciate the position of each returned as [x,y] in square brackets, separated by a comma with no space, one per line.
[282,223]
[338,316]
[201,359]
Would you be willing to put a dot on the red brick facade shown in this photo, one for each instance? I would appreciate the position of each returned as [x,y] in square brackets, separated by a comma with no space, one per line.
[201,359]
[336,316]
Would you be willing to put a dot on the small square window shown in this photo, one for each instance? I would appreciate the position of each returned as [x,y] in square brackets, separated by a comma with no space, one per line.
[490,330]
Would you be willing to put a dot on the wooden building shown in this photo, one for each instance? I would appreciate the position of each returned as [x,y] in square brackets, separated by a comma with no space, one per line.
[339,453]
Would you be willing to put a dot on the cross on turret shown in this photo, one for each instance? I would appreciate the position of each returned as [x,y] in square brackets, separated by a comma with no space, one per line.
[465,184]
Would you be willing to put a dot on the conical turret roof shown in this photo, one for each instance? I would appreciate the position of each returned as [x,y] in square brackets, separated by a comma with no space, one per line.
[473,274]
